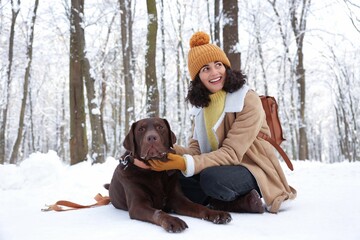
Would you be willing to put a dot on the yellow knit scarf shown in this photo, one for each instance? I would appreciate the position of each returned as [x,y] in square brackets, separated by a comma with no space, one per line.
[212,114]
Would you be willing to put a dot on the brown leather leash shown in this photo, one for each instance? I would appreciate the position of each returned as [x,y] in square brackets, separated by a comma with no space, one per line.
[64,205]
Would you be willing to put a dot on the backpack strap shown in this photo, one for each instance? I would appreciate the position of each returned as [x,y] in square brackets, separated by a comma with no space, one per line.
[59,205]
[278,148]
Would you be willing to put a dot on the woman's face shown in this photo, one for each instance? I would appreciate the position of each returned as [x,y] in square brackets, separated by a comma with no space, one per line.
[213,75]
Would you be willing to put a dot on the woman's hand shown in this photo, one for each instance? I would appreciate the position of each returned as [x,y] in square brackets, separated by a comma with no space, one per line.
[175,162]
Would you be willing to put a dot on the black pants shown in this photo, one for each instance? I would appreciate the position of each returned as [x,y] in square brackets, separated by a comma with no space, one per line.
[224,183]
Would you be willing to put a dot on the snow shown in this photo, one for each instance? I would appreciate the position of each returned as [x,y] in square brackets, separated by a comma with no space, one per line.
[326,207]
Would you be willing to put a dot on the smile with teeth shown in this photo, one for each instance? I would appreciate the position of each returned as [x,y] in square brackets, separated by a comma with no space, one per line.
[215,80]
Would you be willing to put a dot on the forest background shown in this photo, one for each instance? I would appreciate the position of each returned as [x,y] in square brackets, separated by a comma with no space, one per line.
[75,74]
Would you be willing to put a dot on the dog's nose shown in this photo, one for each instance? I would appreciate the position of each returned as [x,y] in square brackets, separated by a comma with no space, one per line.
[152,138]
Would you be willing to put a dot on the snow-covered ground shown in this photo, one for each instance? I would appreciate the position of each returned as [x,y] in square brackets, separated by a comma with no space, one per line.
[327,206]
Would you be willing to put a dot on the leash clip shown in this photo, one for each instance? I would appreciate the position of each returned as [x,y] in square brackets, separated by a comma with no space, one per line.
[125,161]
[47,208]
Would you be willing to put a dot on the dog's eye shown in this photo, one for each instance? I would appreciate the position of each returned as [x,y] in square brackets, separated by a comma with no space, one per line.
[141,129]
[160,127]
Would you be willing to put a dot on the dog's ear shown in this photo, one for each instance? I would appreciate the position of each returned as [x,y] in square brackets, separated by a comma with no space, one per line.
[129,142]
[172,137]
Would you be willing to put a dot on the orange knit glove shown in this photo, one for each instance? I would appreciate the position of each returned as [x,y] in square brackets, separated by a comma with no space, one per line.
[174,162]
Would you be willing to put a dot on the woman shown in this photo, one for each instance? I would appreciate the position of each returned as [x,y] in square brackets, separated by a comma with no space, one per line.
[226,165]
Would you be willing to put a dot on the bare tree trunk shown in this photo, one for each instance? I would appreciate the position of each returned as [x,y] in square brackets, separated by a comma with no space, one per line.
[299,27]
[97,134]
[15,8]
[231,33]
[291,115]
[346,111]
[104,76]
[31,122]
[119,131]
[102,106]
[78,138]
[260,52]
[132,63]
[210,21]
[126,44]
[62,139]
[15,151]
[179,80]
[343,128]
[152,99]
[339,121]
[97,141]
[217,23]
[163,61]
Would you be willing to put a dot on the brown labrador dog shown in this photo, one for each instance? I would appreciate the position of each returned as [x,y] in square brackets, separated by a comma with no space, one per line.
[149,195]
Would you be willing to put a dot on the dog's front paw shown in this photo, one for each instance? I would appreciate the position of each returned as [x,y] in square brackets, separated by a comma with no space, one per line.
[173,224]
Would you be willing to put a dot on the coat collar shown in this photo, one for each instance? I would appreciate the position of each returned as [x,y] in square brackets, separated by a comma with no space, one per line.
[234,102]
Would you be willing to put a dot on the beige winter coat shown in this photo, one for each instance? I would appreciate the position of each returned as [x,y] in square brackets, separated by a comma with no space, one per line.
[236,131]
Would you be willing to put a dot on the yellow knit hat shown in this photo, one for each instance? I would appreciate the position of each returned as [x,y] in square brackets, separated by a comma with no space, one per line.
[203,52]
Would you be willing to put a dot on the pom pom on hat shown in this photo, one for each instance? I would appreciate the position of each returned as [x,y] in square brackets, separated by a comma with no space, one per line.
[198,39]
[203,52]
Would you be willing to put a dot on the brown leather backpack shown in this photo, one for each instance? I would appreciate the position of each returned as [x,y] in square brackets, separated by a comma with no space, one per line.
[271,110]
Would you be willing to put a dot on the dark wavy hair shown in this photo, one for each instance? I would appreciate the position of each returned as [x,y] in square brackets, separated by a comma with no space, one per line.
[198,94]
